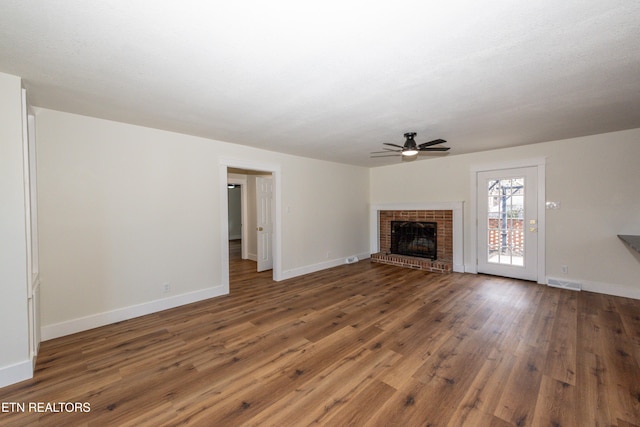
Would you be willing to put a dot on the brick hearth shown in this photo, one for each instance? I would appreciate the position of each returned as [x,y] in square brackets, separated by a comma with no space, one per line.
[444,219]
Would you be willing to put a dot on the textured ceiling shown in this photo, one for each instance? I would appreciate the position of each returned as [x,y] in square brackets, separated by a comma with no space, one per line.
[334,79]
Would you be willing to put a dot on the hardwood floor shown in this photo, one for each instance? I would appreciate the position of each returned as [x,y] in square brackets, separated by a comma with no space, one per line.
[360,344]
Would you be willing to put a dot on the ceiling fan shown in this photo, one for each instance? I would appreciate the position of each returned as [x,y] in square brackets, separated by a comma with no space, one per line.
[410,148]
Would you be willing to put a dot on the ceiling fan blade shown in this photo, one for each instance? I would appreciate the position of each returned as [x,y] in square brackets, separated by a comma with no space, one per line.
[393,145]
[434,149]
[430,143]
[386,151]
[386,155]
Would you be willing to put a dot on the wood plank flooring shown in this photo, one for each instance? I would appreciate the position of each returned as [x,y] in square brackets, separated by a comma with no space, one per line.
[360,344]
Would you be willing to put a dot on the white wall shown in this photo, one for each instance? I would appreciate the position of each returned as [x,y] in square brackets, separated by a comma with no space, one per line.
[15,364]
[124,209]
[596,179]
[314,224]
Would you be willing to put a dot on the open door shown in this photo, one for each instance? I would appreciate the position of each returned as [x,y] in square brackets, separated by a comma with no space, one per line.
[264,229]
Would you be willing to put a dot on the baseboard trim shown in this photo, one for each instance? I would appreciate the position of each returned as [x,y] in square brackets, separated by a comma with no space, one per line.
[308,269]
[613,289]
[80,324]
[587,285]
[15,373]
[610,289]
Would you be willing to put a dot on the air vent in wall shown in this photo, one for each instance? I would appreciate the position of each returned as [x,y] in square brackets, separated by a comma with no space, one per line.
[564,284]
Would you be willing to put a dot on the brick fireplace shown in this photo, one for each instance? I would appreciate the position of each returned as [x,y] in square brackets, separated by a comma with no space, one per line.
[450,243]
[444,258]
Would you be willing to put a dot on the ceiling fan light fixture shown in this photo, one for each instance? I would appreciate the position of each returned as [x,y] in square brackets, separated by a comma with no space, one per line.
[410,148]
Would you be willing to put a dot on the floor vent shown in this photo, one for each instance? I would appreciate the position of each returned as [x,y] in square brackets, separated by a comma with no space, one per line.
[564,284]
[351,260]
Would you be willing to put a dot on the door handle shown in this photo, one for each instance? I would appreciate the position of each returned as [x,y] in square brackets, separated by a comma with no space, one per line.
[532,229]
[259,229]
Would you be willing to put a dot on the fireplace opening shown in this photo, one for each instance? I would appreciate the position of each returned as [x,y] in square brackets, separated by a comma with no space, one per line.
[418,239]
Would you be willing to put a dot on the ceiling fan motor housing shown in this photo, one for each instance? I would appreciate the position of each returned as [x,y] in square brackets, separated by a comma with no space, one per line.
[410,143]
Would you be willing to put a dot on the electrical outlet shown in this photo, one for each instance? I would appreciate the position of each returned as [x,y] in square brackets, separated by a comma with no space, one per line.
[565,269]
[328,254]
[166,288]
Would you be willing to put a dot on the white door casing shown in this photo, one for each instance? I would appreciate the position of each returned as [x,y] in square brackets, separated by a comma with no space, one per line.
[276,173]
[31,235]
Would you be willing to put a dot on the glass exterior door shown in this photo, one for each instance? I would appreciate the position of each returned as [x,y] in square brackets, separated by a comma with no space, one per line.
[507,223]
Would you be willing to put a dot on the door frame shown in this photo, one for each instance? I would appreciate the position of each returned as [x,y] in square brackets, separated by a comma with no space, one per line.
[275,170]
[29,159]
[540,164]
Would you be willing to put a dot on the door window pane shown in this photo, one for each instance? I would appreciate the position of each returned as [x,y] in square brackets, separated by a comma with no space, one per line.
[505,221]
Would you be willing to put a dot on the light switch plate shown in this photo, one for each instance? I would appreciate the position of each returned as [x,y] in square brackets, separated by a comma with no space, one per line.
[552,205]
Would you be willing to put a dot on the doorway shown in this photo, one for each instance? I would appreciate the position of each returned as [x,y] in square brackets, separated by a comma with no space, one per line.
[250,216]
[232,172]
[509,212]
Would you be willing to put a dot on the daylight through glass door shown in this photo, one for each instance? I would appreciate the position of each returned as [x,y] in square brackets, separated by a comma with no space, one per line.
[505,221]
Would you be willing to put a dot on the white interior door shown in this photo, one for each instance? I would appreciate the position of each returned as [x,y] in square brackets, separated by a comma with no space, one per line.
[264,229]
[508,223]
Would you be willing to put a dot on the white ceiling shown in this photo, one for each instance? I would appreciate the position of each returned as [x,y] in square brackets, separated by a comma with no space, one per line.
[334,79]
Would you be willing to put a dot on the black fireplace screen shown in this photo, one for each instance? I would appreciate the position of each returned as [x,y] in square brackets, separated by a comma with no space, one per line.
[414,239]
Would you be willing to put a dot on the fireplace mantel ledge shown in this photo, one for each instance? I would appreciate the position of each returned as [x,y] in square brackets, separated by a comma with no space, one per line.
[458,230]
